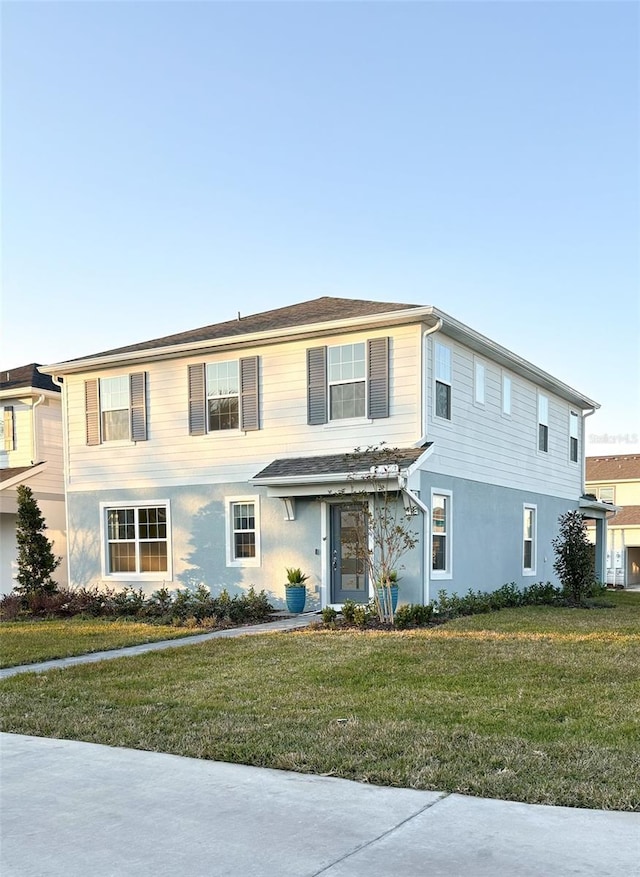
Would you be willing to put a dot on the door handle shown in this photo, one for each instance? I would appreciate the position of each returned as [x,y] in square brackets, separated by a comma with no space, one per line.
[334,561]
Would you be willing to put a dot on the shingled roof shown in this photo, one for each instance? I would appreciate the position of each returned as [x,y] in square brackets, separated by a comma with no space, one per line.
[618,467]
[319,310]
[26,376]
[339,464]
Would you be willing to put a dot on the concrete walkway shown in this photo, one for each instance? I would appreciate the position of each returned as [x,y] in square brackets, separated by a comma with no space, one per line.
[74,809]
[70,809]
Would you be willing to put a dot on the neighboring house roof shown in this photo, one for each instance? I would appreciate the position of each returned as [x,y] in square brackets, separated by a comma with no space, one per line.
[12,476]
[338,464]
[629,516]
[321,317]
[617,467]
[26,376]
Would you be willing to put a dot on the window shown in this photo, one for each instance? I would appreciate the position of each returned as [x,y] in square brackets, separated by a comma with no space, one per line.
[243,531]
[223,395]
[7,429]
[574,426]
[137,541]
[223,403]
[543,423]
[506,395]
[529,541]
[442,381]
[606,494]
[116,409]
[347,381]
[479,382]
[441,534]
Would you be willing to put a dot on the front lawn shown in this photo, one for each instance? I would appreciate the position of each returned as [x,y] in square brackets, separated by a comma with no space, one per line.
[533,704]
[28,642]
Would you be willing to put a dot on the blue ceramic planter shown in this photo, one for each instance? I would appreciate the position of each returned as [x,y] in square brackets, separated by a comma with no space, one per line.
[296,598]
[394,596]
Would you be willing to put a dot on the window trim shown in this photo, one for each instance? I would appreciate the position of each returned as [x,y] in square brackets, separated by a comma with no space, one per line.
[612,488]
[447,573]
[574,414]
[137,409]
[542,421]
[479,382]
[160,575]
[232,561]
[447,382]
[507,380]
[528,506]
[364,380]
[208,395]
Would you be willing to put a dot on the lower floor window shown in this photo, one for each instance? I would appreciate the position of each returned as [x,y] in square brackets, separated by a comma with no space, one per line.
[137,540]
[441,534]
[529,541]
[243,531]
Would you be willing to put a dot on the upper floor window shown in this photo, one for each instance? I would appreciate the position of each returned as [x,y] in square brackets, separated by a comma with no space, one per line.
[543,423]
[506,394]
[479,382]
[137,540]
[347,381]
[606,494]
[7,429]
[223,397]
[116,409]
[442,381]
[574,426]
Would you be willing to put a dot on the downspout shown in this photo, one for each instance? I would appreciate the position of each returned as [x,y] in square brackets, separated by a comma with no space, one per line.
[34,437]
[426,553]
[585,414]
[65,466]
[434,328]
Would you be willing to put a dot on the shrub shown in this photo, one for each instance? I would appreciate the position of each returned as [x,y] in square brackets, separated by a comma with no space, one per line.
[329,615]
[574,558]
[413,615]
[348,611]
[36,560]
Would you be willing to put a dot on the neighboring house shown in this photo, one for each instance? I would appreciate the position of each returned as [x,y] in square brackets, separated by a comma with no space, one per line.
[30,453]
[616,480]
[216,456]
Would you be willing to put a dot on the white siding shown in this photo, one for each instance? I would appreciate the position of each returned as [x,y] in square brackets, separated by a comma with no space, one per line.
[171,456]
[480,443]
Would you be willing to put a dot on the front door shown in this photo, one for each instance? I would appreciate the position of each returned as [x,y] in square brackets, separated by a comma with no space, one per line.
[348,568]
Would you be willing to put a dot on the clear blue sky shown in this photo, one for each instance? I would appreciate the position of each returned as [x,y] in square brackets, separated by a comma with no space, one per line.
[168,164]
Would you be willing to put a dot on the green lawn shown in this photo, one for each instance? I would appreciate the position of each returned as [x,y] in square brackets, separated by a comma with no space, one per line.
[27,642]
[537,704]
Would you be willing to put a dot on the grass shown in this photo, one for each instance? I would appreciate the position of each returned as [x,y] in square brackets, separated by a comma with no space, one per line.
[27,642]
[536,704]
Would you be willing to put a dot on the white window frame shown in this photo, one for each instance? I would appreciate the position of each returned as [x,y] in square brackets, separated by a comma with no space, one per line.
[530,507]
[343,381]
[600,497]
[442,374]
[232,560]
[208,395]
[574,418]
[507,397]
[159,576]
[102,408]
[543,420]
[479,382]
[447,573]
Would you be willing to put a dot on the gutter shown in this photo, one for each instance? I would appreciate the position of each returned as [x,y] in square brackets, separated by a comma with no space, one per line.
[65,465]
[423,401]
[585,414]
[426,513]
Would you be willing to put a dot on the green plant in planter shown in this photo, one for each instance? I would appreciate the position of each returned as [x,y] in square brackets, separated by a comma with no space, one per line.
[296,590]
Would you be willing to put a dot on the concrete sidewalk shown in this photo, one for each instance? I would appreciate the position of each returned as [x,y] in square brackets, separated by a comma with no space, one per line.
[74,809]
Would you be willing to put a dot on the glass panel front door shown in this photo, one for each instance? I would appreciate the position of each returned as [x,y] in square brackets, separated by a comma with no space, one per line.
[348,568]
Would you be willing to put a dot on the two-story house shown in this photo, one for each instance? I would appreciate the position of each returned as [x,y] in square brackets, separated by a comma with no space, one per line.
[217,456]
[30,453]
[615,479]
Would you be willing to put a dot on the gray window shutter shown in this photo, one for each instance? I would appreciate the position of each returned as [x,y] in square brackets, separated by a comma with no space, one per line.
[316,385]
[138,394]
[249,401]
[92,412]
[378,366]
[197,422]
[9,428]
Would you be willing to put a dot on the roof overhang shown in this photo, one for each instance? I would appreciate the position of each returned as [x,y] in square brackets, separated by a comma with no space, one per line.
[30,392]
[22,474]
[594,508]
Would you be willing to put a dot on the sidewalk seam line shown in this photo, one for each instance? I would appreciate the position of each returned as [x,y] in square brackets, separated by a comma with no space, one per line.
[389,831]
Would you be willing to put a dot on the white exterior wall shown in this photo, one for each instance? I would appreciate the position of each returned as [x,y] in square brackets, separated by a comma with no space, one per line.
[480,443]
[171,456]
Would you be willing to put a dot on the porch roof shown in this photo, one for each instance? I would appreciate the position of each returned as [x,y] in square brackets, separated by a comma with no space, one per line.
[292,470]
[17,474]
